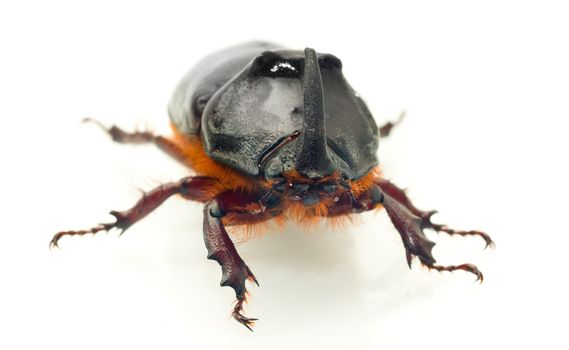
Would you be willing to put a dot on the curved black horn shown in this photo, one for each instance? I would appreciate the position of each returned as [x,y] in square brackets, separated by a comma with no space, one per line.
[314,160]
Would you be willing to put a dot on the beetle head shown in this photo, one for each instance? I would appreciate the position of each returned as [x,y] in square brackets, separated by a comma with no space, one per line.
[310,192]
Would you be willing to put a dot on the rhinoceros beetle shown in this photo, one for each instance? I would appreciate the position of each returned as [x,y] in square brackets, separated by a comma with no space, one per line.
[275,134]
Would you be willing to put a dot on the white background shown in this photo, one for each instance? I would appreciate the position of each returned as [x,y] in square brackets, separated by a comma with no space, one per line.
[485,85]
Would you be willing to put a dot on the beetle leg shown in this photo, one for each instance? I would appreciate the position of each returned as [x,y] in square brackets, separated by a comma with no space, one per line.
[386,128]
[410,227]
[221,249]
[141,137]
[194,188]
[425,216]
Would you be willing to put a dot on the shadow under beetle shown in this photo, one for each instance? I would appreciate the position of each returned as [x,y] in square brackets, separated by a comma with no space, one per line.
[275,134]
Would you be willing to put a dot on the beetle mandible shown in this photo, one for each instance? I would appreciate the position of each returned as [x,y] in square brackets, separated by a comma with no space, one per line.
[273,134]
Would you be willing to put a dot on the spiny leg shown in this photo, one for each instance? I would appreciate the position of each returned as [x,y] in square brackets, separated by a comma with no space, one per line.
[221,249]
[141,137]
[405,221]
[386,128]
[399,195]
[193,188]
[410,227]
[219,245]
[235,208]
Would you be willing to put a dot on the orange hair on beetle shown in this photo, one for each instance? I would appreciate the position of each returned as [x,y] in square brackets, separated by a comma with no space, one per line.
[197,159]
[248,226]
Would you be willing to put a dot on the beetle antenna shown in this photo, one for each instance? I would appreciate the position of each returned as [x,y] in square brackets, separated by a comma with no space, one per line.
[314,160]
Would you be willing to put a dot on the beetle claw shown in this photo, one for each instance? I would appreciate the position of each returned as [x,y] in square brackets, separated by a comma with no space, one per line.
[121,223]
[248,322]
[410,224]
[465,267]
[427,223]
[54,243]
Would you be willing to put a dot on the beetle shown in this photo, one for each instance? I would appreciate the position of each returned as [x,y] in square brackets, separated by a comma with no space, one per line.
[274,134]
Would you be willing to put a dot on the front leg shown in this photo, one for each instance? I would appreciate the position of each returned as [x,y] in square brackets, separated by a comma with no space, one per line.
[221,249]
[237,208]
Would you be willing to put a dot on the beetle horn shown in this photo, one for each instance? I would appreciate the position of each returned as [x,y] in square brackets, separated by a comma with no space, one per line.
[314,160]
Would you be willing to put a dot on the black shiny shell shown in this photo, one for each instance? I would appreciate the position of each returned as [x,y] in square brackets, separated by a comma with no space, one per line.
[243,100]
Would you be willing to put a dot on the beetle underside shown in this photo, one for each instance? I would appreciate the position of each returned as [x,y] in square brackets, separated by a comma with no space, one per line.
[241,201]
